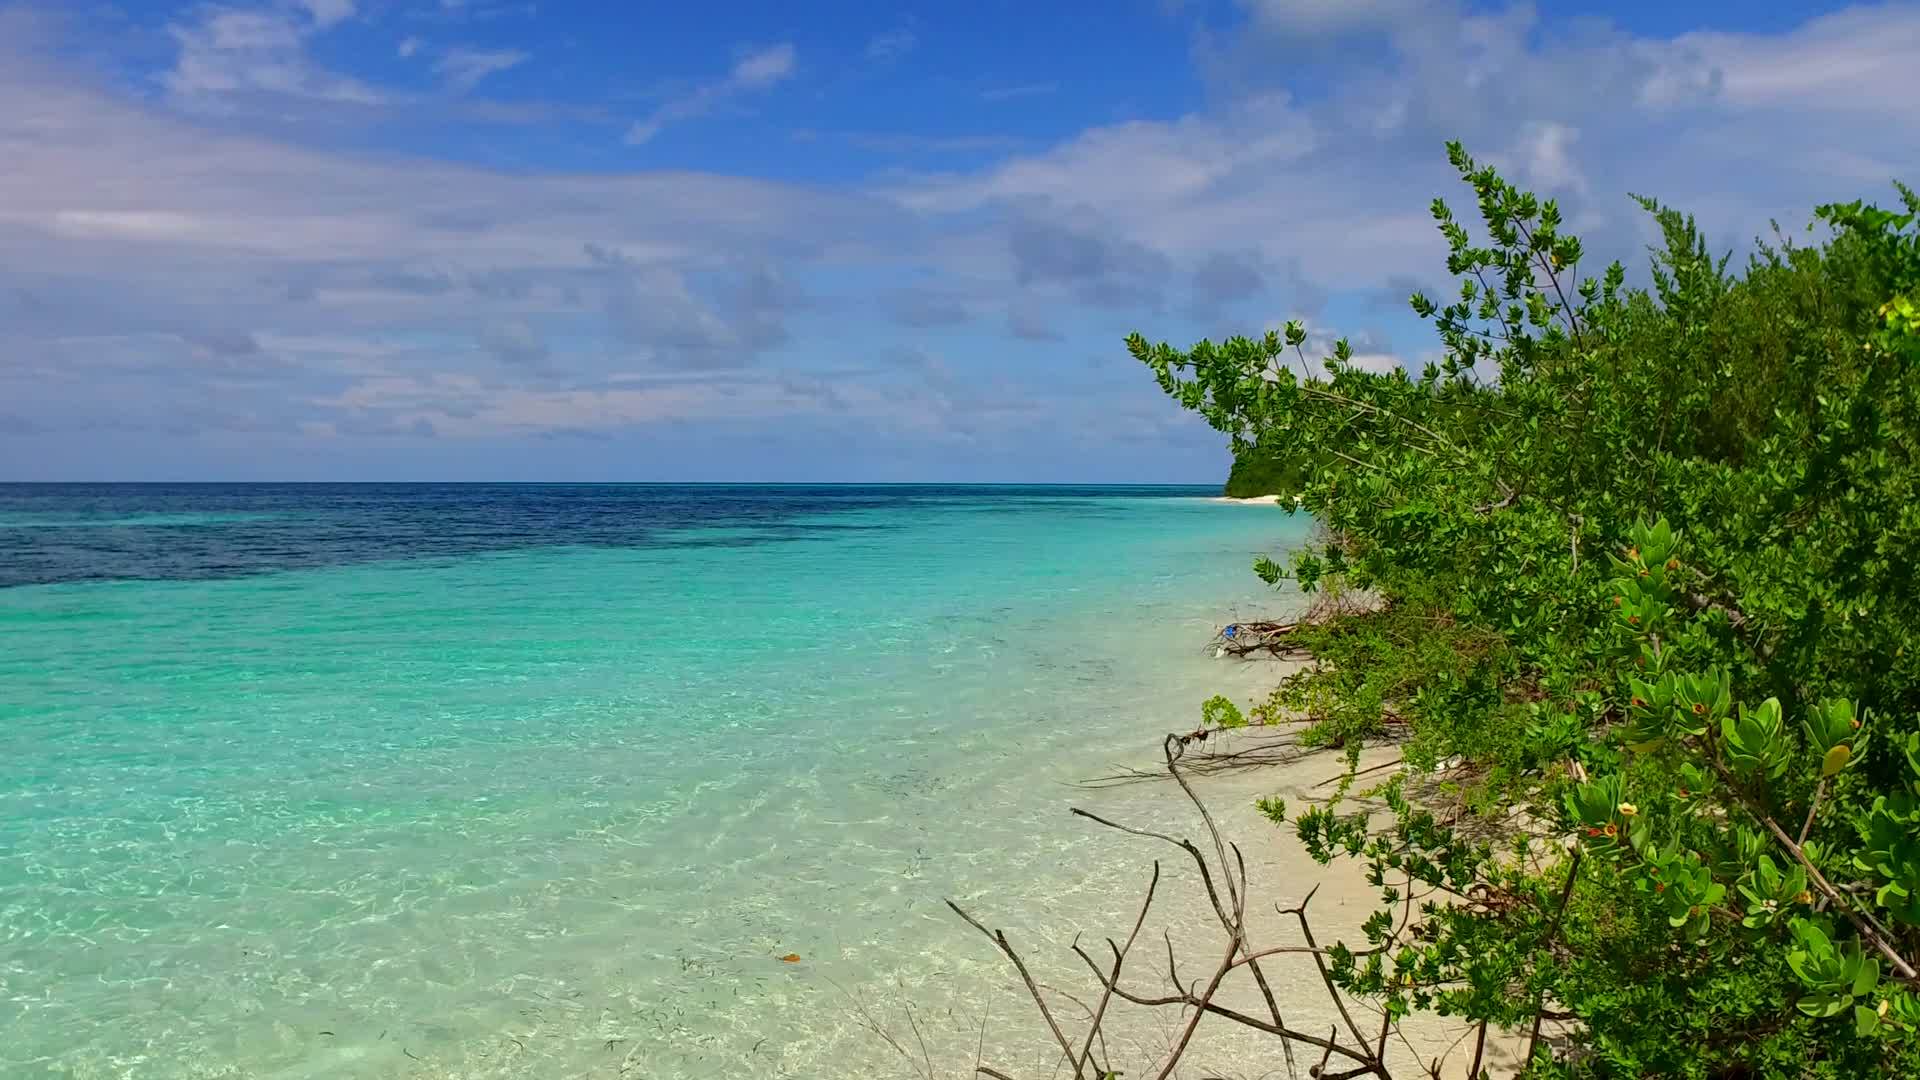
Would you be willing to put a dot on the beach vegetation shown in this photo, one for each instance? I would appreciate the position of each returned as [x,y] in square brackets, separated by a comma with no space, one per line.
[1646,558]
[1644,630]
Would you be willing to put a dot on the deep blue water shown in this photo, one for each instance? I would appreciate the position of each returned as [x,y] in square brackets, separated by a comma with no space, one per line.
[53,533]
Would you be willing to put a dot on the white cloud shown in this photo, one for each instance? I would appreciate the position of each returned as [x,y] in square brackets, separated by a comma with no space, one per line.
[125,223]
[1312,18]
[1546,158]
[757,70]
[386,293]
[409,46]
[231,53]
[1835,61]
[763,68]
[891,45]
[327,12]
[462,68]
[1342,182]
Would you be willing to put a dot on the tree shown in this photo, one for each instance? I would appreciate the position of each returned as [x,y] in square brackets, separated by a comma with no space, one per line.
[1674,531]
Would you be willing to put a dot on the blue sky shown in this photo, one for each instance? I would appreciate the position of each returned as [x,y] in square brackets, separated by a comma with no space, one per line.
[502,239]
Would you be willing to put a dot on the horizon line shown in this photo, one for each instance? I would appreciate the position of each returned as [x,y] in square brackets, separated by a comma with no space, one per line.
[637,483]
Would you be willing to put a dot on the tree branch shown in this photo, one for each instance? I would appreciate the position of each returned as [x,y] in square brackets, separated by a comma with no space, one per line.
[1119,958]
[999,938]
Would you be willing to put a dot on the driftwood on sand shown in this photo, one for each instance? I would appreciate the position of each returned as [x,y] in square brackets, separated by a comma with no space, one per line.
[1273,638]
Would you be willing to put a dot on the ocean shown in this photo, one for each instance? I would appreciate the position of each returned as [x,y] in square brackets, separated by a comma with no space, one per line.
[476,781]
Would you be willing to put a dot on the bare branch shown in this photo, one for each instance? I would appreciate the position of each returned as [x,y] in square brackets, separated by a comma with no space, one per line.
[999,938]
[1206,875]
[1566,892]
[1119,957]
[1813,808]
[1862,919]
[1190,999]
[1326,977]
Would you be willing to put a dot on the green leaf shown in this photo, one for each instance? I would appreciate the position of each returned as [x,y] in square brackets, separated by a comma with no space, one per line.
[1867,977]
[1822,1004]
[1865,1021]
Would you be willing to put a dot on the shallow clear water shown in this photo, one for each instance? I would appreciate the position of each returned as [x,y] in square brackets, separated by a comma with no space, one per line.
[473,781]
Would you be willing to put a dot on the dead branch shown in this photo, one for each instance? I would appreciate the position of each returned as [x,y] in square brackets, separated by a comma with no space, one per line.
[1223,875]
[1273,638]
[999,938]
[1279,749]
[1119,958]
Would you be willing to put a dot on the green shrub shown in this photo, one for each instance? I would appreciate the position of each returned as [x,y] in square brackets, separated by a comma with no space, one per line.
[1255,474]
[1648,559]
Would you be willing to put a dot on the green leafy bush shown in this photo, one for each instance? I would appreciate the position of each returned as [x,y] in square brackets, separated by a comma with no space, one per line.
[1648,563]
[1256,473]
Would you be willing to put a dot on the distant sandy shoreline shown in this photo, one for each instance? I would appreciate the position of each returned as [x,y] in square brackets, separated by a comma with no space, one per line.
[1259,500]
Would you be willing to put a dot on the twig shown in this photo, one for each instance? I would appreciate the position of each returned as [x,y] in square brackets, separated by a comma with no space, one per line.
[867,1020]
[999,938]
[1553,931]
[1206,875]
[925,1055]
[1174,747]
[1279,750]
[1326,977]
[1360,773]
[1813,808]
[1119,957]
[980,1048]
[1200,1011]
[1862,920]
[1188,998]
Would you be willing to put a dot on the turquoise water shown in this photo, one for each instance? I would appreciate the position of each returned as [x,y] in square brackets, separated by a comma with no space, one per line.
[550,789]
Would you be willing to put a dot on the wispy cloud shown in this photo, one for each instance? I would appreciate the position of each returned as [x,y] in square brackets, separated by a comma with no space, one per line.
[757,70]
[270,291]
[232,53]
[465,11]
[891,45]
[327,12]
[462,68]
[763,68]
[1026,90]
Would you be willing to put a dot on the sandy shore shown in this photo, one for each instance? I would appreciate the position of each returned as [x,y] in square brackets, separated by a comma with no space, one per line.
[1281,873]
[1253,500]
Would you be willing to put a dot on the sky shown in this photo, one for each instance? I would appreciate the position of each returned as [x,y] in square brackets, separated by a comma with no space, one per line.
[599,240]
